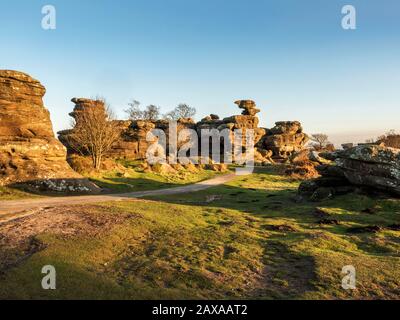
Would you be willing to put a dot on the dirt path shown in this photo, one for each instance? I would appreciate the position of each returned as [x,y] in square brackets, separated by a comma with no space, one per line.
[31,206]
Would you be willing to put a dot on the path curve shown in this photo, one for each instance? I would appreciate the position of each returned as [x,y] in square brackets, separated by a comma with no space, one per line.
[32,205]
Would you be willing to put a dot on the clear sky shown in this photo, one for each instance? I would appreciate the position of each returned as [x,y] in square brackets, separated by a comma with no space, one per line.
[292,57]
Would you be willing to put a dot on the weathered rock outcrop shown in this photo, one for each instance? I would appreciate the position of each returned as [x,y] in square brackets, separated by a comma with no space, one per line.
[279,142]
[248,106]
[371,165]
[367,165]
[286,138]
[246,121]
[29,153]
[132,143]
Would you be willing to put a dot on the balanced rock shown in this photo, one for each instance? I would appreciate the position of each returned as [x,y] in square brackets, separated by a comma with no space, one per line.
[248,106]
[29,152]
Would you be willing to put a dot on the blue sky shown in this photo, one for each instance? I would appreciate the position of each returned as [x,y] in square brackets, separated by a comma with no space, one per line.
[292,57]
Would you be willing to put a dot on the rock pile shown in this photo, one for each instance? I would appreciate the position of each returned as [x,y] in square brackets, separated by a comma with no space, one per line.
[368,166]
[29,153]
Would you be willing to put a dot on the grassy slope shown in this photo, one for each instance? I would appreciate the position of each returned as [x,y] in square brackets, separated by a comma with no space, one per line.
[132,180]
[129,181]
[14,194]
[221,243]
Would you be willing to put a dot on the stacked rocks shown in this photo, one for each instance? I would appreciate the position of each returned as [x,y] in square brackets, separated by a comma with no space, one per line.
[286,138]
[278,143]
[82,104]
[29,152]
[248,106]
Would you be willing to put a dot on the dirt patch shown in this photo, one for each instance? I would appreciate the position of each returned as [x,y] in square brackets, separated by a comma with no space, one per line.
[394,227]
[274,205]
[286,273]
[320,213]
[18,238]
[371,210]
[329,221]
[228,250]
[367,229]
[280,228]
[226,223]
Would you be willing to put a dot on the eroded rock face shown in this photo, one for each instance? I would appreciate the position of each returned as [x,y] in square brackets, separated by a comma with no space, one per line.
[368,165]
[371,165]
[248,106]
[132,143]
[29,152]
[286,138]
[246,121]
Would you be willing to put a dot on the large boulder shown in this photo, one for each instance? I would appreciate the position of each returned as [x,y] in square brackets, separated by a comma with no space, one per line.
[285,139]
[371,165]
[367,166]
[29,152]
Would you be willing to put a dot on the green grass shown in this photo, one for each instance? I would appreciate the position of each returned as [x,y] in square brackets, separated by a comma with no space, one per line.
[221,243]
[130,180]
[14,194]
[133,180]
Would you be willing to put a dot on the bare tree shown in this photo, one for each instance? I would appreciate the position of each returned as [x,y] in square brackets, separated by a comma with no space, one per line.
[390,139]
[94,131]
[321,140]
[134,112]
[152,113]
[183,110]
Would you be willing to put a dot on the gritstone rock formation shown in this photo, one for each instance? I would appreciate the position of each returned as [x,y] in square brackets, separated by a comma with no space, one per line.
[285,138]
[248,106]
[368,165]
[29,153]
[246,121]
[278,143]
[132,143]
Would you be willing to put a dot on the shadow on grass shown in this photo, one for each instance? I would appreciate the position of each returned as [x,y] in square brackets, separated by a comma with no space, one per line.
[284,206]
[116,185]
[287,274]
[284,203]
[78,187]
